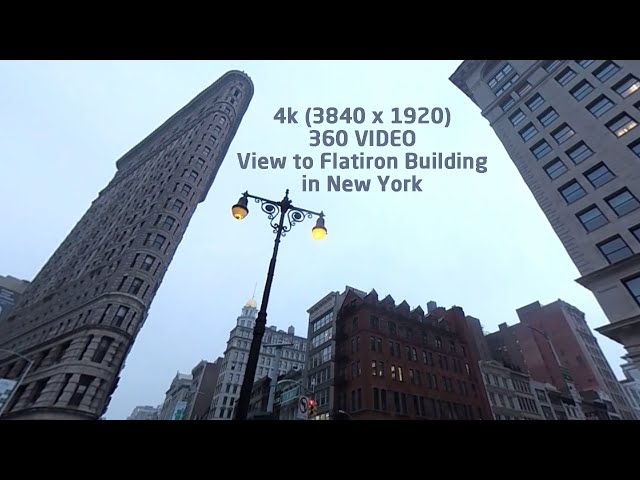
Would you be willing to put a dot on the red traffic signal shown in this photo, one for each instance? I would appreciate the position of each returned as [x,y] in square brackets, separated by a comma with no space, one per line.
[311,407]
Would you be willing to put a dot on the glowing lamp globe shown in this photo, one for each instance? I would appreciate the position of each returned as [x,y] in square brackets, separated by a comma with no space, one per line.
[240,210]
[319,231]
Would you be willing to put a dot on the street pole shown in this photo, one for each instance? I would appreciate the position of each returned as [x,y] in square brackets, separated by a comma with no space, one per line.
[242,407]
[293,215]
[22,377]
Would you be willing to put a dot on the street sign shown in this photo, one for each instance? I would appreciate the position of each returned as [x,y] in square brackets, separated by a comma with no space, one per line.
[303,405]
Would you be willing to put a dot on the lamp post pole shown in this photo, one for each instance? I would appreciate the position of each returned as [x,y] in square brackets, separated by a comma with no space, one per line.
[291,215]
[24,374]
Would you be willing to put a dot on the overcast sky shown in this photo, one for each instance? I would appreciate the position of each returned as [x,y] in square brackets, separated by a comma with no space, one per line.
[476,240]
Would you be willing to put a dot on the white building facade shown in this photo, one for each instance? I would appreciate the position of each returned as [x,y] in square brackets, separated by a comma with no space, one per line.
[293,356]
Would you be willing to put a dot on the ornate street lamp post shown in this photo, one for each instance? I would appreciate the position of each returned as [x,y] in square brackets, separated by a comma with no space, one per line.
[288,217]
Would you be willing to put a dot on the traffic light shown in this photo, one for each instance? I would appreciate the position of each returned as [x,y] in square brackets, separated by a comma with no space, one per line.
[312,407]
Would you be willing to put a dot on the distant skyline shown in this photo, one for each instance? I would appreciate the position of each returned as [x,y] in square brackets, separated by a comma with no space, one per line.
[474,240]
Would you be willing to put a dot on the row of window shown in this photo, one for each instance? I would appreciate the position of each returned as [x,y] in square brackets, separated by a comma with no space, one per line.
[75,399]
[374,324]
[621,202]
[418,406]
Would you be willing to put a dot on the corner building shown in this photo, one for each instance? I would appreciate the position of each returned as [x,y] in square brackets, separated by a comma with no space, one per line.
[394,363]
[570,127]
[79,317]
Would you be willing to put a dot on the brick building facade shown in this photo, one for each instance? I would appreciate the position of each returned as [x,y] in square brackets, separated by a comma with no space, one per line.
[392,362]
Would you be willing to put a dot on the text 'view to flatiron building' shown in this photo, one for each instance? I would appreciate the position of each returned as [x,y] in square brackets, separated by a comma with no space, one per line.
[570,128]
[78,319]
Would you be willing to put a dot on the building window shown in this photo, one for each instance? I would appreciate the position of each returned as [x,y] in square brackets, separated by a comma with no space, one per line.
[563,133]
[555,168]
[540,149]
[103,348]
[528,132]
[635,147]
[200,162]
[584,63]
[633,285]
[81,389]
[605,71]
[376,399]
[599,175]
[177,205]
[581,90]
[354,323]
[134,288]
[534,102]
[517,117]
[592,218]
[206,151]
[374,368]
[393,372]
[572,191]
[507,104]
[168,223]
[523,89]
[185,190]
[550,65]
[548,116]
[148,262]
[381,369]
[621,124]
[374,322]
[507,85]
[400,376]
[118,318]
[499,76]
[600,106]
[627,86]
[565,76]
[622,202]
[158,242]
[615,249]
[392,328]
[579,152]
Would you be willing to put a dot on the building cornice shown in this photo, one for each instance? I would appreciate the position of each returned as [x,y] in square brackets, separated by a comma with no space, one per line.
[592,278]
[463,72]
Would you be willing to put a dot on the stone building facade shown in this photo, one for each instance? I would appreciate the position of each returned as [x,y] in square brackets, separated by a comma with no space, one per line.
[79,317]
[570,127]
[290,355]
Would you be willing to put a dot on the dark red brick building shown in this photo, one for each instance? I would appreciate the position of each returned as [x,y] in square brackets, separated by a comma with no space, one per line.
[394,363]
